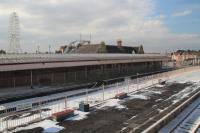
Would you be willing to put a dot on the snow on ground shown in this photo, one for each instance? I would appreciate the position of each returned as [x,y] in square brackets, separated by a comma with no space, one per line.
[124,128]
[49,126]
[193,76]
[112,103]
[158,100]
[73,102]
[154,91]
[189,124]
[97,97]
[138,96]
[79,115]
[185,92]
[159,85]
[160,110]
[133,117]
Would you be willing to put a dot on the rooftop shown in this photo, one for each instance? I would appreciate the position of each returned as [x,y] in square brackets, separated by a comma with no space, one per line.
[11,62]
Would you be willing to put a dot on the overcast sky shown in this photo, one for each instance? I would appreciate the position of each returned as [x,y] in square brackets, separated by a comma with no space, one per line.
[160,25]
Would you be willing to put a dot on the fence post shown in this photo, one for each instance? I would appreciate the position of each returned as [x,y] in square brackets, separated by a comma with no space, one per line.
[103,91]
[87,100]
[31,79]
[128,85]
[6,121]
[137,81]
[40,111]
[118,90]
[66,102]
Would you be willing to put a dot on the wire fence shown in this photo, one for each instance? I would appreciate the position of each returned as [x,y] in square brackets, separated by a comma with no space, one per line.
[44,109]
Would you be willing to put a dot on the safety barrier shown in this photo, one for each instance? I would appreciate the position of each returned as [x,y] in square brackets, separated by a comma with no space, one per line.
[129,86]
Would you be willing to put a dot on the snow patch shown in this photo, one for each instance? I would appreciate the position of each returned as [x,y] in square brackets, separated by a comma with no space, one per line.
[160,110]
[49,126]
[185,93]
[132,117]
[187,77]
[139,96]
[112,103]
[25,115]
[158,100]
[79,115]
[155,92]
[159,85]
[124,128]
[187,124]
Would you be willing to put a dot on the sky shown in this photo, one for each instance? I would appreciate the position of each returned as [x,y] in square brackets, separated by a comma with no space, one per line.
[159,25]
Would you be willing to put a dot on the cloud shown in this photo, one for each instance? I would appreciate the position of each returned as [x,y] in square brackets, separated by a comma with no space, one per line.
[49,22]
[183,13]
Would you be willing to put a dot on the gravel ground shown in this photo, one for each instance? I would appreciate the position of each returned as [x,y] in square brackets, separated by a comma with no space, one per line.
[136,113]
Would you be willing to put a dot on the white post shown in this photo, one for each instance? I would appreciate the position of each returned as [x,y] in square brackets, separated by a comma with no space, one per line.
[6,120]
[87,96]
[66,102]
[128,85]
[137,81]
[117,88]
[40,108]
[1,124]
[103,91]
[31,79]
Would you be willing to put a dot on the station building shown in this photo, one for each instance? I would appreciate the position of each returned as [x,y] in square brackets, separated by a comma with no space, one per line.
[73,69]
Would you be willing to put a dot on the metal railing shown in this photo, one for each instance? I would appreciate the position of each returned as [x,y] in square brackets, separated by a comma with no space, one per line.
[10,121]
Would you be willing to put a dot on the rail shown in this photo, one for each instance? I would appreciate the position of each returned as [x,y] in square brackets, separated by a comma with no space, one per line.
[171,115]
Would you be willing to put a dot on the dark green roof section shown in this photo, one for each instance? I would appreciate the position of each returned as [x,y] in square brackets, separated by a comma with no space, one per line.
[102,48]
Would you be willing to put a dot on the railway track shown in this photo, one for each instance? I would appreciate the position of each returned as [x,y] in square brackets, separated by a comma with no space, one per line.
[188,121]
[197,130]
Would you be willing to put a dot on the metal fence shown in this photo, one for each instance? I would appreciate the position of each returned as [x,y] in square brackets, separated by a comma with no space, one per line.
[44,110]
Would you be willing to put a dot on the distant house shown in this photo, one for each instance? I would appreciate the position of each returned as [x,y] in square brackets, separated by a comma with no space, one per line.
[103,48]
[182,57]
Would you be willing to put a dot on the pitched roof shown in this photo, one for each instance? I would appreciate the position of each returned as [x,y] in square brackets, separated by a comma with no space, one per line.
[102,48]
[88,48]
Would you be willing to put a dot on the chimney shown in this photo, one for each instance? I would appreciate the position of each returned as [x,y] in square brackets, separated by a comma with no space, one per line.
[119,43]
